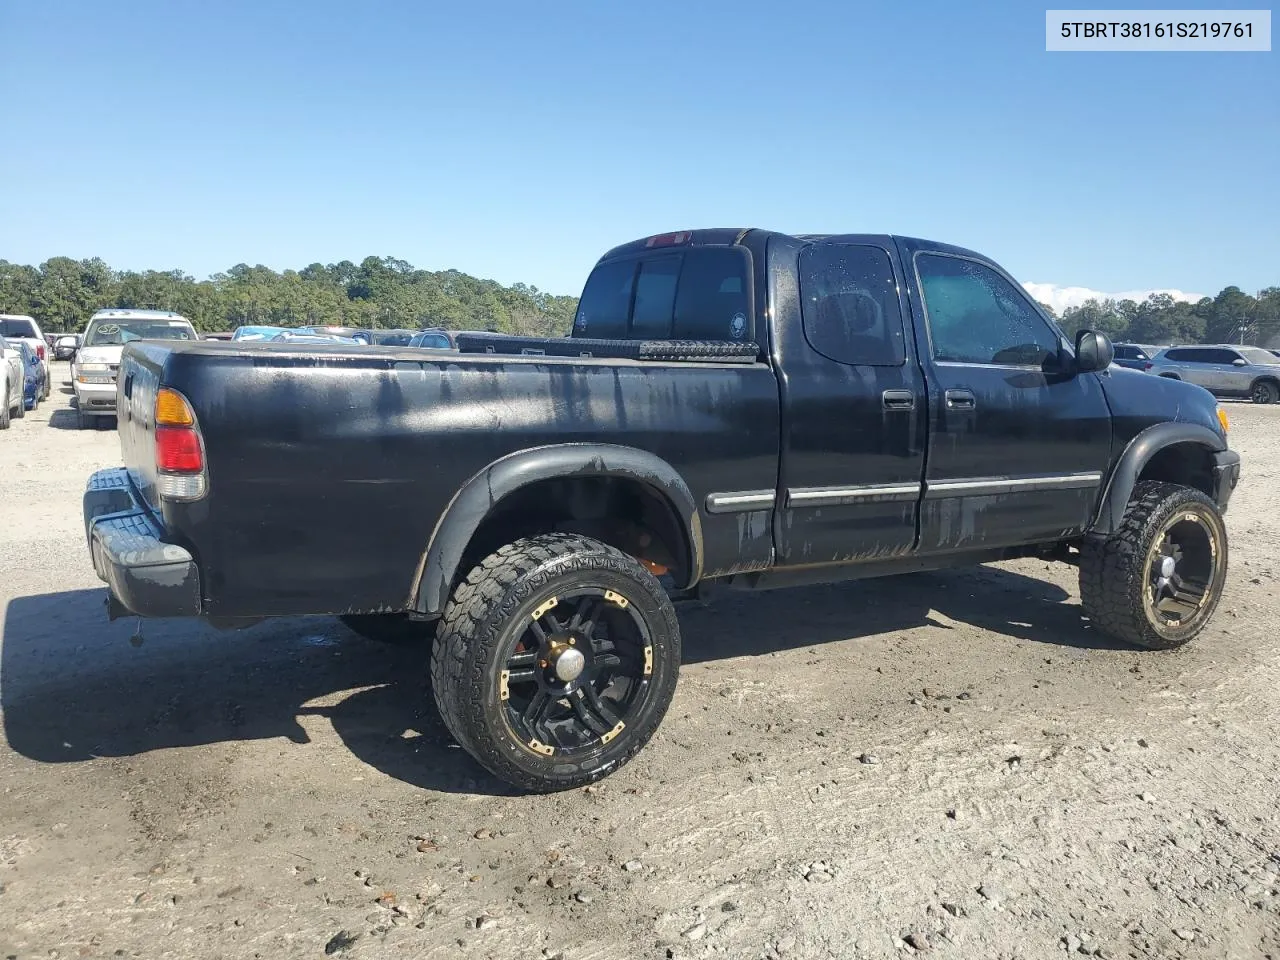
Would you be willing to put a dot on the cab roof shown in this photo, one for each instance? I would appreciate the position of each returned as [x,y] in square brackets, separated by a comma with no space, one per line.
[729,236]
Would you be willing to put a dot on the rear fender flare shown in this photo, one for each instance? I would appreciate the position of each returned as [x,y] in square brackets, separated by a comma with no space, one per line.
[471,504]
[1136,456]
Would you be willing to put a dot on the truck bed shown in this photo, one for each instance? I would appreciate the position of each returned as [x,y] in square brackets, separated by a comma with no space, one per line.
[329,465]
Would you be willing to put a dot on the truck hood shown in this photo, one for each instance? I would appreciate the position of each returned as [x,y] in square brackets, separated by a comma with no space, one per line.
[105,354]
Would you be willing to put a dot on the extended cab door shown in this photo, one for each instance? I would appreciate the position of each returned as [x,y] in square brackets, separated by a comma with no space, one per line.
[853,402]
[1018,443]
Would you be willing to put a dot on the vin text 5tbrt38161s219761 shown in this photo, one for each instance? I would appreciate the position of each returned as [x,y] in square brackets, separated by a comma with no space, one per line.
[735,408]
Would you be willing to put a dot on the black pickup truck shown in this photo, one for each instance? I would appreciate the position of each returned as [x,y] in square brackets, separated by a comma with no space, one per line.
[734,408]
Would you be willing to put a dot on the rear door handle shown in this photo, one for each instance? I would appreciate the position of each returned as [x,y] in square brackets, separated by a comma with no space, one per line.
[960,400]
[898,399]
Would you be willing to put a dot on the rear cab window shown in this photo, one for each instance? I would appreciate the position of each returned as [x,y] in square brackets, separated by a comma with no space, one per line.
[18,328]
[701,293]
[849,305]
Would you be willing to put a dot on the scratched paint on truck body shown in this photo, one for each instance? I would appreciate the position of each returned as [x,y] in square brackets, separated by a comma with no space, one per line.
[317,459]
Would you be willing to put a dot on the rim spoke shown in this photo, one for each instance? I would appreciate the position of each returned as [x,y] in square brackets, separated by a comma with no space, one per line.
[538,632]
[535,714]
[608,661]
[584,618]
[522,675]
[599,707]
[524,658]
[588,715]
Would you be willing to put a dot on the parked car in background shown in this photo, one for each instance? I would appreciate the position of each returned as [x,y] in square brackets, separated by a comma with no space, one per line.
[65,346]
[256,333]
[35,379]
[15,326]
[332,331]
[434,339]
[293,336]
[1224,370]
[12,381]
[220,335]
[1135,356]
[93,373]
[386,338]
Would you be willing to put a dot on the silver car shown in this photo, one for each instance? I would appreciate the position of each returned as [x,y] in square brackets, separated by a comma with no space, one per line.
[1224,370]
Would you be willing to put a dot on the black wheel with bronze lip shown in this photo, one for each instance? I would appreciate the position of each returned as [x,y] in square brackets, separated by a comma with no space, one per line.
[1157,580]
[555,661]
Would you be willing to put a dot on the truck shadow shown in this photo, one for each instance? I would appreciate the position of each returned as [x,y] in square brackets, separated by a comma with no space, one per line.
[73,687]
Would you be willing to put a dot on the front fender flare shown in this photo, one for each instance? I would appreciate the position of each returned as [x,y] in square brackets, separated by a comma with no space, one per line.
[473,501]
[1136,456]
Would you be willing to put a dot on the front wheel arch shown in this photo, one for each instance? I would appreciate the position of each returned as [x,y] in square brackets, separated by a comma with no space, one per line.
[1187,440]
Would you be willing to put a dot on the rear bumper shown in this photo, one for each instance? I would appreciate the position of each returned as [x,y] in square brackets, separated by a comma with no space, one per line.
[146,576]
[1226,474]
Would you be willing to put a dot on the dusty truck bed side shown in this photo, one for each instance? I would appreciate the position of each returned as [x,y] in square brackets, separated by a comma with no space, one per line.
[323,454]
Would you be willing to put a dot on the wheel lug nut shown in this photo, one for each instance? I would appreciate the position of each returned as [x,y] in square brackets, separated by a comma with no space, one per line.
[542,664]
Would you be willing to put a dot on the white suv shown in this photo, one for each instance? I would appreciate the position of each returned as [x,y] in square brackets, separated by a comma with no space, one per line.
[17,326]
[93,371]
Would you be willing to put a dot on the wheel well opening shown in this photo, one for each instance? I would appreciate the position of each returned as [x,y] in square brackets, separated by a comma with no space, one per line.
[621,512]
[1188,464]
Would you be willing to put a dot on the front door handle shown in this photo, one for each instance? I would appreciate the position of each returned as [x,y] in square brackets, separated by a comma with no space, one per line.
[960,400]
[898,399]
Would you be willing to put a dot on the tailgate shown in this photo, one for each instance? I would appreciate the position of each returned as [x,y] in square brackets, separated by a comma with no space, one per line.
[141,367]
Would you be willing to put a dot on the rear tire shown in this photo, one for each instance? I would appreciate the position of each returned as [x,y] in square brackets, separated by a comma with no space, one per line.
[4,408]
[20,410]
[393,629]
[1157,580]
[555,661]
[1264,391]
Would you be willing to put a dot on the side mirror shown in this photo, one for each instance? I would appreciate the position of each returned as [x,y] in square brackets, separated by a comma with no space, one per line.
[1093,351]
[1239,362]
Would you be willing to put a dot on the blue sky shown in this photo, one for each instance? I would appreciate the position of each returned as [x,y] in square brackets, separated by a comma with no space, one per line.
[518,141]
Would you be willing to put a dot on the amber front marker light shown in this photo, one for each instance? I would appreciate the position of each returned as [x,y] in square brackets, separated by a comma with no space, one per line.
[1222,419]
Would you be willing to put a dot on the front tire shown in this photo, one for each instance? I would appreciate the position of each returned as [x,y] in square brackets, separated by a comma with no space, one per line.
[1157,580]
[1264,391]
[555,661]
[4,408]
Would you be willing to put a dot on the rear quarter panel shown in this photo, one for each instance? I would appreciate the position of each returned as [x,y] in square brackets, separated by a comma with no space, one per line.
[329,470]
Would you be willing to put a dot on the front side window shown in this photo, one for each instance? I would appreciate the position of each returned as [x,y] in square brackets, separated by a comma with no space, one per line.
[849,304]
[977,316]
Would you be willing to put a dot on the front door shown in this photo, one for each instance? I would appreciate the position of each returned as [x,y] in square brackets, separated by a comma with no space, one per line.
[1017,450]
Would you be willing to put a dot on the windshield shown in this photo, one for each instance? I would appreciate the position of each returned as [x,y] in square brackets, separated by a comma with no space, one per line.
[110,333]
[1258,355]
[17,328]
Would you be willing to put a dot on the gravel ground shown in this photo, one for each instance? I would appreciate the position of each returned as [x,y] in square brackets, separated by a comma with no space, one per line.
[949,763]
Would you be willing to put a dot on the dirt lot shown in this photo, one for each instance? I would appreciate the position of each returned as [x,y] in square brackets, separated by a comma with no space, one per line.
[951,763]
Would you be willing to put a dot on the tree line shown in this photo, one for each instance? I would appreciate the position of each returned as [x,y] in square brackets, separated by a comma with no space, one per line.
[379,292]
[383,292]
[1159,319]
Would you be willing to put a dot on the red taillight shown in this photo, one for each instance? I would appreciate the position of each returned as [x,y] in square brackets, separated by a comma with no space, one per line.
[1148,365]
[40,350]
[669,239]
[178,450]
